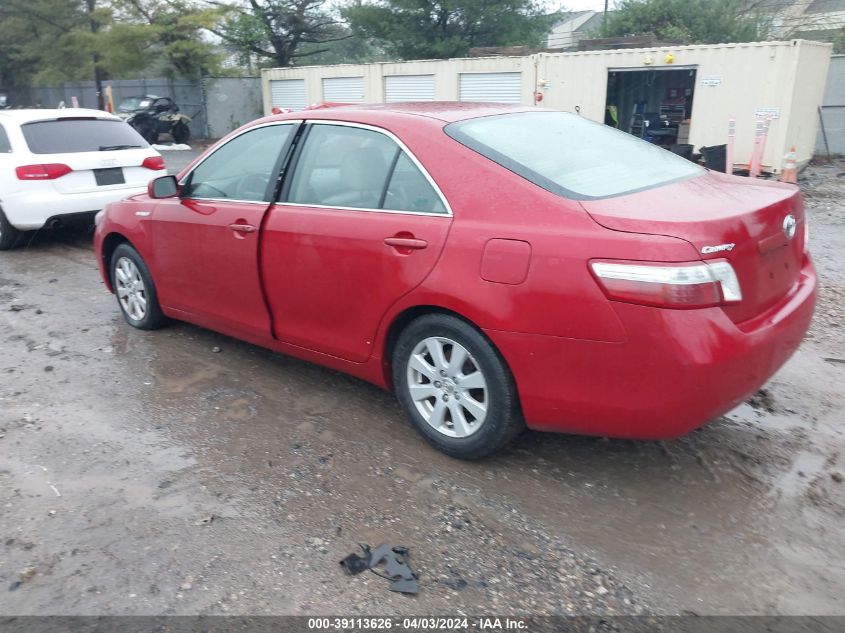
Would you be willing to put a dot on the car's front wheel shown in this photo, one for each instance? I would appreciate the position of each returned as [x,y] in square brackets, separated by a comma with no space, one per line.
[134,289]
[9,235]
[455,387]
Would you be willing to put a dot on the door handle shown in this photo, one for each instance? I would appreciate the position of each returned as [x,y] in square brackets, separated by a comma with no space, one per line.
[405,242]
[242,228]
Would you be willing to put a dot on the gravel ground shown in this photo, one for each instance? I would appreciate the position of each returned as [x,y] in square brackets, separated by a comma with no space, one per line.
[183,472]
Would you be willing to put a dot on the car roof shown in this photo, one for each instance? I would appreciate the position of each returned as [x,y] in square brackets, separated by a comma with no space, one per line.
[29,115]
[443,110]
[446,111]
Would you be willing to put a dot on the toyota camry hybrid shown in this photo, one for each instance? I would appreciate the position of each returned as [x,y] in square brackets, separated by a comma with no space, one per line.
[496,267]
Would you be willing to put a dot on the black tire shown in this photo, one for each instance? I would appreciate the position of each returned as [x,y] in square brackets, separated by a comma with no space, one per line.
[152,317]
[10,237]
[503,419]
[180,133]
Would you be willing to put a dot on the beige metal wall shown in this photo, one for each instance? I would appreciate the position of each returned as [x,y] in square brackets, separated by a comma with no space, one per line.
[807,96]
[783,77]
[445,73]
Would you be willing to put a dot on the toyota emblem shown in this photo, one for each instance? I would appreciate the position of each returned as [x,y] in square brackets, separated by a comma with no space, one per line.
[789,224]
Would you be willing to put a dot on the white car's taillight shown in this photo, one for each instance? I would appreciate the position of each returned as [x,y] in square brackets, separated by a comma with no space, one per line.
[48,171]
[687,285]
[153,162]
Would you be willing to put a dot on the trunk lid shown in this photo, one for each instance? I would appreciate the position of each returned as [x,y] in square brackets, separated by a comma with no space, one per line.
[714,211]
[85,166]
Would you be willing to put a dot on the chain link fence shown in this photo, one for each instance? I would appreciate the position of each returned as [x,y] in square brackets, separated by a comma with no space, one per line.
[216,105]
[832,112]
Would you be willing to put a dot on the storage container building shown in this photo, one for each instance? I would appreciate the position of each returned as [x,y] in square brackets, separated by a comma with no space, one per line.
[678,95]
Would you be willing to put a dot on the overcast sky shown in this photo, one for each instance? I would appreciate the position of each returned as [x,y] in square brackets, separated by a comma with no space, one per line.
[581,5]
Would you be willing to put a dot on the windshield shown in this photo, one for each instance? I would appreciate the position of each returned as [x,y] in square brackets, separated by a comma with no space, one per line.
[80,135]
[570,155]
[130,104]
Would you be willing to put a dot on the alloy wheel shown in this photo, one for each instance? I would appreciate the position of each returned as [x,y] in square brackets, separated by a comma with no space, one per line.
[447,387]
[130,288]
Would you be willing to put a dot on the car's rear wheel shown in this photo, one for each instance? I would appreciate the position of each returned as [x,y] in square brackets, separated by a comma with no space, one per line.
[9,235]
[455,387]
[134,289]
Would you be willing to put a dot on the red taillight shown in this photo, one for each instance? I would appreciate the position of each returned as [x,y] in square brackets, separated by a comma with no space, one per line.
[153,162]
[50,171]
[684,285]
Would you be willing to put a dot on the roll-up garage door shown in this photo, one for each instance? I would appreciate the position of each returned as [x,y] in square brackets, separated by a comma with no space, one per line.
[497,87]
[288,93]
[408,88]
[343,89]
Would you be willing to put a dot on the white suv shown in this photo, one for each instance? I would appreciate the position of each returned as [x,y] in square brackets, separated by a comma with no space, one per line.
[57,164]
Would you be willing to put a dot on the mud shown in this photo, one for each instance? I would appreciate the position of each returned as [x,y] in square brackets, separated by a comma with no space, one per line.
[152,473]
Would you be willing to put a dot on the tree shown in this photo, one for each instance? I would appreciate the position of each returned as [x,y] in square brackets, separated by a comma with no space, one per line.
[688,21]
[348,48]
[425,29]
[19,46]
[44,41]
[838,40]
[65,38]
[175,30]
[282,31]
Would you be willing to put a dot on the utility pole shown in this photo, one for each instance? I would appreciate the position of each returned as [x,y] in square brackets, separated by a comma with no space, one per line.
[95,56]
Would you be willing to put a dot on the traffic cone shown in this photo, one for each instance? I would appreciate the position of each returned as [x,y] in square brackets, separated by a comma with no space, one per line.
[790,169]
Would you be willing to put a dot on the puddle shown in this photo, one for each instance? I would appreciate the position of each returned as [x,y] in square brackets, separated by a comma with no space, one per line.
[805,468]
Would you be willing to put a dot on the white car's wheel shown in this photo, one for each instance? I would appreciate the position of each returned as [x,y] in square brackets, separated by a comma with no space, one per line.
[9,235]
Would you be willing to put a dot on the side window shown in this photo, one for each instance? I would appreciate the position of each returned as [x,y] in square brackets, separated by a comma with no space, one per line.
[242,168]
[409,190]
[343,166]
[5,145]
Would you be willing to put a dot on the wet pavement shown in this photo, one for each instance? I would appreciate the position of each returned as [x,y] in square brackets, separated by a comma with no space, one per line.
[176,160]
[181,472]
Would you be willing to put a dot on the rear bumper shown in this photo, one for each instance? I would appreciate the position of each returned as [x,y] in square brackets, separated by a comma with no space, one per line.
[678,369]
[30,210]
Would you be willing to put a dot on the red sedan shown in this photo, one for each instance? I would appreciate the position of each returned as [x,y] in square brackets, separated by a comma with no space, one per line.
[495,266]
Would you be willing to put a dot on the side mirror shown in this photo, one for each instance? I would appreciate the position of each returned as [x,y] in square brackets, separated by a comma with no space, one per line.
[163,187]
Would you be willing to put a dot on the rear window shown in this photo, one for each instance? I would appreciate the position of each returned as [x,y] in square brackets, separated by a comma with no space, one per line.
[80,135]
[571,156]
[5,146]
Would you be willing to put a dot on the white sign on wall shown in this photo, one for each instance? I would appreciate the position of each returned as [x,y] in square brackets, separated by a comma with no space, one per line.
[711,80]
[767,113]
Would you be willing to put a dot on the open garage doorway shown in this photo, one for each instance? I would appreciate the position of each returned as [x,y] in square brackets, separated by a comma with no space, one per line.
[652,103]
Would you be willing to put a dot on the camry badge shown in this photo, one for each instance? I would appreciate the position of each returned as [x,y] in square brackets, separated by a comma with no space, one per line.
[718,248]
[789,225]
